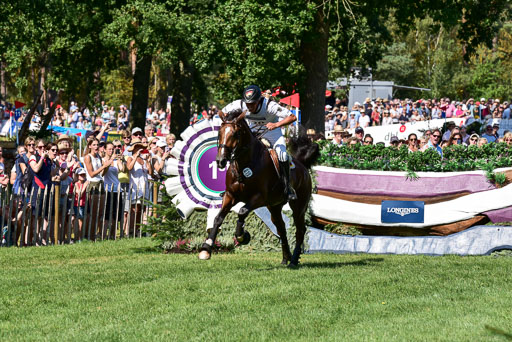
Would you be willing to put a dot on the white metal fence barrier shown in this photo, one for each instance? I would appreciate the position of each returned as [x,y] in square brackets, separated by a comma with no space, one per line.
[39,217]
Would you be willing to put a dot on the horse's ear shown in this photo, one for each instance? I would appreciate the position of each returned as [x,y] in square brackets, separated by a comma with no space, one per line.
[241,117]
[222,116]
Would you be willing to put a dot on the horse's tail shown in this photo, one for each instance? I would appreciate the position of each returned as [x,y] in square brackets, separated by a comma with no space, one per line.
[304,150]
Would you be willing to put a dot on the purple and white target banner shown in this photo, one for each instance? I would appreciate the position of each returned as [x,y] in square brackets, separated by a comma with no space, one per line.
[197,182]
[479,196]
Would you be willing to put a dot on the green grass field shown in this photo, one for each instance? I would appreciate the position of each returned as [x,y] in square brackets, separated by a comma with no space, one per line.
[129,291]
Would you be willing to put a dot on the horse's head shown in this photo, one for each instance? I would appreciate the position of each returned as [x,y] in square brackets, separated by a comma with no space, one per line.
[229,140]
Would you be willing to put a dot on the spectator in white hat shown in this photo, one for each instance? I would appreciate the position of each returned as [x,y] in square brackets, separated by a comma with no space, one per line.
[137,132]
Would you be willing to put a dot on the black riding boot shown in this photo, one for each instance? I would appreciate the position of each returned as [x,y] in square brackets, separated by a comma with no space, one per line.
[288,189]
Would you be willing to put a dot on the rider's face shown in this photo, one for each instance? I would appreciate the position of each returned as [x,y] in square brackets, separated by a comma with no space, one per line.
[252,107]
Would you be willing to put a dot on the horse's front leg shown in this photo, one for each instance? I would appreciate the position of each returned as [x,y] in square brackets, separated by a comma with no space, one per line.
[206,250]
[243,237]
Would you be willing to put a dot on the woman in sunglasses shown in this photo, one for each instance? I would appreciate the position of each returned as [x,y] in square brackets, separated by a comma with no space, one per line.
[507,138]
[412,143]
[45,171]
[95,169]
[40,145]
[455,139]
[473,139]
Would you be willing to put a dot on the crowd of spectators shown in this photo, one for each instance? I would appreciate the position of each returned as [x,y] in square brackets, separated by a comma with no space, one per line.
[430,138]
[93,119]
[382,112]
[110,184]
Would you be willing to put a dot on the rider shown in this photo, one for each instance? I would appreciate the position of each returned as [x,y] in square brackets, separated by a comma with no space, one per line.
[262,111]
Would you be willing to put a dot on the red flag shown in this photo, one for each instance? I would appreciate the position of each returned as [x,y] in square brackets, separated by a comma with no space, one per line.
[18,104]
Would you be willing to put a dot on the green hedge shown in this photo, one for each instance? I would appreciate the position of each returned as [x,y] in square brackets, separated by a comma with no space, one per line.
[378,157]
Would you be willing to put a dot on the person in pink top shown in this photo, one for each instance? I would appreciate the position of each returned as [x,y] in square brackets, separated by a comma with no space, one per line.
[459,112]
[450,111]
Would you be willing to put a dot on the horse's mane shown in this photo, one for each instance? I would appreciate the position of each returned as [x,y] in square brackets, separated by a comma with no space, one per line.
[233,115]
[304,150]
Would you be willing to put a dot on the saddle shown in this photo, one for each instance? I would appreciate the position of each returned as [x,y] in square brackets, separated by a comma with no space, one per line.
[273,154]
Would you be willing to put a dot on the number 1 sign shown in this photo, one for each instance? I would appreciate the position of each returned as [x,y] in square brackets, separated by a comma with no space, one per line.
[198,182]
[210,176]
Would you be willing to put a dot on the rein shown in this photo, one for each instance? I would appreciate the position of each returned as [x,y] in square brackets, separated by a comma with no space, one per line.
[238,150]
[233,152]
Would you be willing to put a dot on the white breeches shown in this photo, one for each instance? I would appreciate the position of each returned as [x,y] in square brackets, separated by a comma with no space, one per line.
[277,141]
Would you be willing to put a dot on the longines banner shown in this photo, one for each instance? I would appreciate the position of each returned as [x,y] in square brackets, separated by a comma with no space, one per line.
[402,212]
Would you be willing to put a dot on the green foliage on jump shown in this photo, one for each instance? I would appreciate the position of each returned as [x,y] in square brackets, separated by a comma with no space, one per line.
[381,158]
[175,234]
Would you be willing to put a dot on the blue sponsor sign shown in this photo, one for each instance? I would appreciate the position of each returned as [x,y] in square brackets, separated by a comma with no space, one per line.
[402,212]
[17,114]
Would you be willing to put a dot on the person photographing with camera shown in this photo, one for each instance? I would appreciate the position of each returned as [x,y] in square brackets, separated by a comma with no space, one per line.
[139,165]
[95,169]
[111,179]
[45,171]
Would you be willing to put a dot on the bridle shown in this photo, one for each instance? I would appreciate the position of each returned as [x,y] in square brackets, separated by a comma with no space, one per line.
[232,152]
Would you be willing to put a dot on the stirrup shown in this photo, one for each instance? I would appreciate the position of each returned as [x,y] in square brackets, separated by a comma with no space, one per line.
[292,195]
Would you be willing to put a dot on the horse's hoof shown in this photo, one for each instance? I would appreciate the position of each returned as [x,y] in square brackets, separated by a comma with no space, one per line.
[284,262]
[293,266]
[204,255]
[244,239]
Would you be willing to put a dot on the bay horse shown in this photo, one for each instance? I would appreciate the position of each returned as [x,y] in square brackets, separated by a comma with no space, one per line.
[252,178]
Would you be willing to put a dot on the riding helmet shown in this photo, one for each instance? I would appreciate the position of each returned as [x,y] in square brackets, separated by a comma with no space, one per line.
[252,94]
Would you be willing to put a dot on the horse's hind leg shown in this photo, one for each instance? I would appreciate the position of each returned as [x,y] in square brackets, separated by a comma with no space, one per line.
[242,236]
[299,220]
[277,220]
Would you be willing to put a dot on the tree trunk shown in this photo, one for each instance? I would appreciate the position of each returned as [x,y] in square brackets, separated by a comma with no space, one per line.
[182,93]
[3,82]
[47,119]
[42,81]
[140,92]
[314,57]
[133,57]
[33,76]
[165,89]
[156,84]
[26,123]
[200,91]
